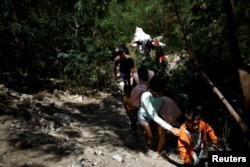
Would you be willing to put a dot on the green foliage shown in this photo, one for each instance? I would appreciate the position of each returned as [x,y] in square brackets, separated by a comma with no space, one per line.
[89,31]
[75,40]
[85,69]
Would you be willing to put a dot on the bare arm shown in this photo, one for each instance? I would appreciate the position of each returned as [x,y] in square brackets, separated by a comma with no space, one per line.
[132,43]
[153,114]
[132,72]
[116,62]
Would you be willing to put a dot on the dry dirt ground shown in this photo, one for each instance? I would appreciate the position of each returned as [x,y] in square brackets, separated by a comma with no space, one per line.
[62,130]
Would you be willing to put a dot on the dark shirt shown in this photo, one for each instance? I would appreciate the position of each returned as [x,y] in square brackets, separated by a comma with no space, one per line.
[125,65]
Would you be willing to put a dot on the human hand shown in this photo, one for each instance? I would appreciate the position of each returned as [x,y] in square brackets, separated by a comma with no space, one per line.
[196,159]
[188,162]
[175,131]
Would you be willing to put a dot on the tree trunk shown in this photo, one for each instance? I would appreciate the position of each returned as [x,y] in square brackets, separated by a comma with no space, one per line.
[201,73]
[243,70]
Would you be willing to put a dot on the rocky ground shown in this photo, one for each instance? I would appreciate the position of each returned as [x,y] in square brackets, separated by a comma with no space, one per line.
[62,130]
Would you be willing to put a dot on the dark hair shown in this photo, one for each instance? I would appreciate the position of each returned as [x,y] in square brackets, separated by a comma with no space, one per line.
[157,83]
[143,73]
[120,49]
[127,89]
[192,115]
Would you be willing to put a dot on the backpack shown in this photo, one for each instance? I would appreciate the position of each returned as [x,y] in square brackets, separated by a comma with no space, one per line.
[169,110]
[136,94]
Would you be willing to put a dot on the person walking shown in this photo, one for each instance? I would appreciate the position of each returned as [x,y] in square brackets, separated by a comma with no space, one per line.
[148,113]
[143,76]
[130,109]
[126,63]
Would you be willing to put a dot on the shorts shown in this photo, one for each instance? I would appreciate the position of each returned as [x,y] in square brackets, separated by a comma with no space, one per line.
[125,76]
[143,120]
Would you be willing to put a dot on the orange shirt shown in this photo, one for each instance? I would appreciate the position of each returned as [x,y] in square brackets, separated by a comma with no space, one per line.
[184,143]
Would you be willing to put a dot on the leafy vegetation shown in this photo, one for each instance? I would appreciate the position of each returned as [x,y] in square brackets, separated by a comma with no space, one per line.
[74,41]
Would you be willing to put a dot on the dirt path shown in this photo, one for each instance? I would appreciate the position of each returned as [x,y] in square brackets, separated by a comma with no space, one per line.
[62,130]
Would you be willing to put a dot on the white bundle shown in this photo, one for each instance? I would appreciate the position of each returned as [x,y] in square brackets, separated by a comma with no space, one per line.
[140,35]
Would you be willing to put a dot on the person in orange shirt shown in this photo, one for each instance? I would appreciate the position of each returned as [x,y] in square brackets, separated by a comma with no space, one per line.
[194,137]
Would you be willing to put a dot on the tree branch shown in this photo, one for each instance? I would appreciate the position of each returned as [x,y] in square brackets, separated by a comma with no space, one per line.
[238,119]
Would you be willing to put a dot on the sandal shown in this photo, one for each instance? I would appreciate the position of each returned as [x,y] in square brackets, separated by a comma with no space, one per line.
[164,154]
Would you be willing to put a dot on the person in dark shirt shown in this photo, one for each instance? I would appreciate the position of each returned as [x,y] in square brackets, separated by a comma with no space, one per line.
[126,63]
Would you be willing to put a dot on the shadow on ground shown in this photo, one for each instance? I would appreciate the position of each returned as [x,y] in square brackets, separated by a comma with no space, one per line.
[105,120]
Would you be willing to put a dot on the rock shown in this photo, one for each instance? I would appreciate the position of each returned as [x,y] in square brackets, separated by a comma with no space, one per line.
[118,158]
[59,136]
[76,164]
[98,152]
[52,125]
[94,163]
[18,145]
[13,93]
[63,117]
[18,126]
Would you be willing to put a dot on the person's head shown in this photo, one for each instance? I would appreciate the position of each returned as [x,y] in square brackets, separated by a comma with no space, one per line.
[192,119]
[121,50]
[127,90]
[143,73]
[157,85]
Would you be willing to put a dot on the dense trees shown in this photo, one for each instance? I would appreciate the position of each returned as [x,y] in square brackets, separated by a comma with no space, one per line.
[74,41]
